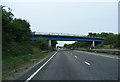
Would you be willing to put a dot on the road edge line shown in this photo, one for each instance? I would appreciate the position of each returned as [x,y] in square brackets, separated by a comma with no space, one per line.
[40,68]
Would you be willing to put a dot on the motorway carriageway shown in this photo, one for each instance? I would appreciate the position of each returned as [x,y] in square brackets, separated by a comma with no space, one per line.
[74,65]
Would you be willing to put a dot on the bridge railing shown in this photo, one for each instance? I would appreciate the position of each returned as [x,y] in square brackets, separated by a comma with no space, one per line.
[96,37]
[66,34]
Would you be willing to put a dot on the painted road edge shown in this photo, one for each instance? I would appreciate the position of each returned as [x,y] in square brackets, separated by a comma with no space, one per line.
[40,68]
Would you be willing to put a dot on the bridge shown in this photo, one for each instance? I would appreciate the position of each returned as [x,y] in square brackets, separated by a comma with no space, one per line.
[66,37]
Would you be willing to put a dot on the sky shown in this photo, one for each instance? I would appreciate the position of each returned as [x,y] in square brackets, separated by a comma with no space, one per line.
[67,16]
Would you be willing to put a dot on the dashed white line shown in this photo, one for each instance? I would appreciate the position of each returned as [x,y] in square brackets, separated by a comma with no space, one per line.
[75,56]
[40,68]
[87,63]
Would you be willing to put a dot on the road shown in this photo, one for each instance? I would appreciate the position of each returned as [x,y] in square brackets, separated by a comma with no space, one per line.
[75,65]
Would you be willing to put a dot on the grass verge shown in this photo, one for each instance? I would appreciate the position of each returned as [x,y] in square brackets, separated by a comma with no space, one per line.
[14,65]
[104,52]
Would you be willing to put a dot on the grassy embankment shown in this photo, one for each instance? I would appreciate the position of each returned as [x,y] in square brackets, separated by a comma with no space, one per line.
[99,51]
[14,65]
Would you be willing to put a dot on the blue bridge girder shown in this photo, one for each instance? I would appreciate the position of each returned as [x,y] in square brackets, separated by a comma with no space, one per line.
[66,38]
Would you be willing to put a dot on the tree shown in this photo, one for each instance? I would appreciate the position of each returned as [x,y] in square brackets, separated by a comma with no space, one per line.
[15,35]
[21,30]
[42,44]
[14,29]
[54,42]
[7,18]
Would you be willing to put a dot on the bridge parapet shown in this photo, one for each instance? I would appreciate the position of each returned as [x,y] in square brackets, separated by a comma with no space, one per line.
[66,34]
[52,33]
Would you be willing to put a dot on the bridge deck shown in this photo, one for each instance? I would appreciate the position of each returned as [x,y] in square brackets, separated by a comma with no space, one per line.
[67,38]
[86,37]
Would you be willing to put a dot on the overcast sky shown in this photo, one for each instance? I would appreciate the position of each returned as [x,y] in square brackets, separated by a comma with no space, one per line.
[74,17]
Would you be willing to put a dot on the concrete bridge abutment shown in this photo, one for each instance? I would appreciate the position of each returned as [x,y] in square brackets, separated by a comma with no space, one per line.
[49,43]
[93,43]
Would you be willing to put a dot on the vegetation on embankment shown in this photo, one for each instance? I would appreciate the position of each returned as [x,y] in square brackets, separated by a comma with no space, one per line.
[15,65]
[111,41]
[17,48]
[104,51]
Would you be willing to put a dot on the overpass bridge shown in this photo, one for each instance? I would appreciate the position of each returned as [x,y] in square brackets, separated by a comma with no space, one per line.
[66,37]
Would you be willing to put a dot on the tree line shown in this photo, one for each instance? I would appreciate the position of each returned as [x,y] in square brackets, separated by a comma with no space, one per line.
[111,41]
[16,34]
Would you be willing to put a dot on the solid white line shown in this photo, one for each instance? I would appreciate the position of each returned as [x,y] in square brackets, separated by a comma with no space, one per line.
[87,63]
[75,56]
[40,68]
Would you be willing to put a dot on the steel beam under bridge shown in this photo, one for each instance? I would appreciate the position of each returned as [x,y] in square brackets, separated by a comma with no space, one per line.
[68,39]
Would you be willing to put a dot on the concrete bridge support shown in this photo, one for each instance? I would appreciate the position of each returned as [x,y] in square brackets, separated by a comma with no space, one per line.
[49,43]
[93,43]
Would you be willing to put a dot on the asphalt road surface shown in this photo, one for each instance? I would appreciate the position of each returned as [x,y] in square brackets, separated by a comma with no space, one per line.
[75,65]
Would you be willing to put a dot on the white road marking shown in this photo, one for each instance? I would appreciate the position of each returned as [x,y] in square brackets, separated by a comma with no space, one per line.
[40,68]
[71,53]
[75,56]
[98,54]
[87,63]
